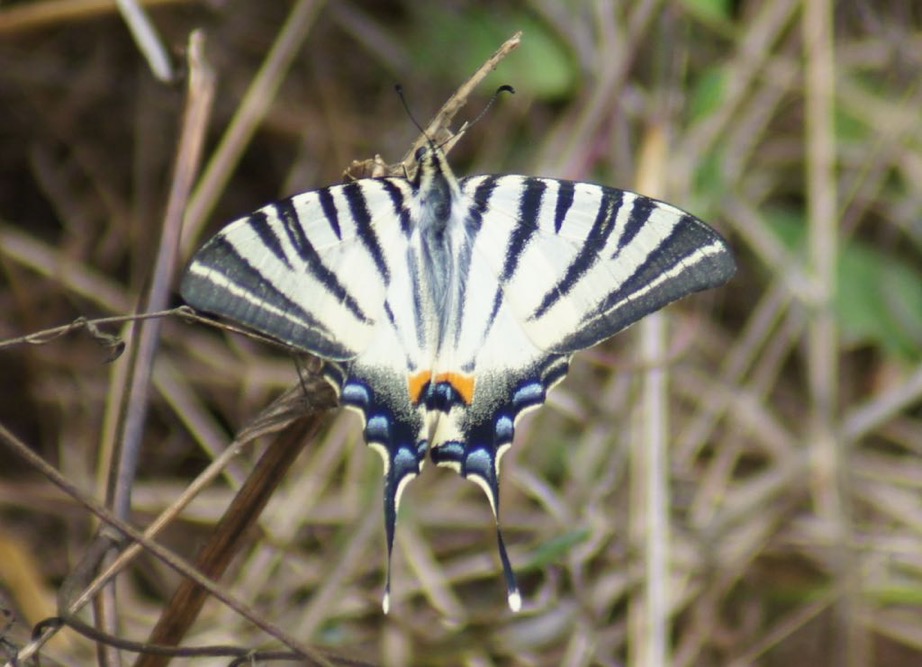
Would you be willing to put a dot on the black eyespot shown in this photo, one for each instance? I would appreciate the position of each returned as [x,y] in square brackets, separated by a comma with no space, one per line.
[420,153]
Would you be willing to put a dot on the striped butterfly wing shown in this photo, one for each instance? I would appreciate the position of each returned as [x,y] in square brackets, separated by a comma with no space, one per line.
[333,272]
[578,262]
[551,267]
[312,271]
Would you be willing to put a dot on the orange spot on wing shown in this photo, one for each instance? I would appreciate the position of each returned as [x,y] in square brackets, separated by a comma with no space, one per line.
[463,384]
[416,384]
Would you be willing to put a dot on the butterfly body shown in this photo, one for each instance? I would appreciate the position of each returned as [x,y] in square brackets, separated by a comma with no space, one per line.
[447,308]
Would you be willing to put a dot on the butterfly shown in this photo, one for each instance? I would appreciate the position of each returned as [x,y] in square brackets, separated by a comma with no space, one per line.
[446,308]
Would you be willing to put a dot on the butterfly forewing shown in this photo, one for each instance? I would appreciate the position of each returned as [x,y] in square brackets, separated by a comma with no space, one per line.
[596,259]
[447,309]
[308,270]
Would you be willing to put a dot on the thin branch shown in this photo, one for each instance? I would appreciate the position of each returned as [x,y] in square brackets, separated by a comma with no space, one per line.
[176,563]
[144,344]
[148,40]
[253,108]
[50,13]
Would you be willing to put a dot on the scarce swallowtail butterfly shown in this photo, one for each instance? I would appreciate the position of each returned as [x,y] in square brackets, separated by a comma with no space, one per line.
[445,308]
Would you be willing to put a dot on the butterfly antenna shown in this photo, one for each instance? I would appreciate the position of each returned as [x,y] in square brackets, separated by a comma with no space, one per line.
[505,88]
[406,107]
[502,89]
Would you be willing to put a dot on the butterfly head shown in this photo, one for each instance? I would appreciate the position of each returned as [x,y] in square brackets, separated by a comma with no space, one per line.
[435,184]
[431,165]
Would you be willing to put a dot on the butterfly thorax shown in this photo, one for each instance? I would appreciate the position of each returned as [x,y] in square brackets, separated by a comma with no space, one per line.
[441,238]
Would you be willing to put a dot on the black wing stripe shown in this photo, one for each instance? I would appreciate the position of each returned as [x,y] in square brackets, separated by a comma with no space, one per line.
[398,201]
[291,223]
[565,194]
[480,199]
[641,209]
[530,204]
[389,314]
[259,222]
[530,208]
[481,202]
[691,250]
[473,224]
[308,254]
[607,214]
[415,271]
[358,207]
[330,212]
[684,250]
[463,268]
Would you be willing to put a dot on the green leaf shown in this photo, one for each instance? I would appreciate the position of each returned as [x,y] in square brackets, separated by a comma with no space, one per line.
[709,183]
[453,45]
[708,93]
[551,552]
[714,13]
[878,296]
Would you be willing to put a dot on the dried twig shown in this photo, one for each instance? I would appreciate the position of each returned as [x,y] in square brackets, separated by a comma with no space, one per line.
[438,129]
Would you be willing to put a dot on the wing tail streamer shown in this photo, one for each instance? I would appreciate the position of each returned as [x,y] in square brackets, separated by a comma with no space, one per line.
[487,433]
[398,438]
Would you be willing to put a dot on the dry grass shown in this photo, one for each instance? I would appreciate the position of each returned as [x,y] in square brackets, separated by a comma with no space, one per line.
[788,404]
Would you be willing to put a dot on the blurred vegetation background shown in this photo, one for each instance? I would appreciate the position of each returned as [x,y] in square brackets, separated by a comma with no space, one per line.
[794,414]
